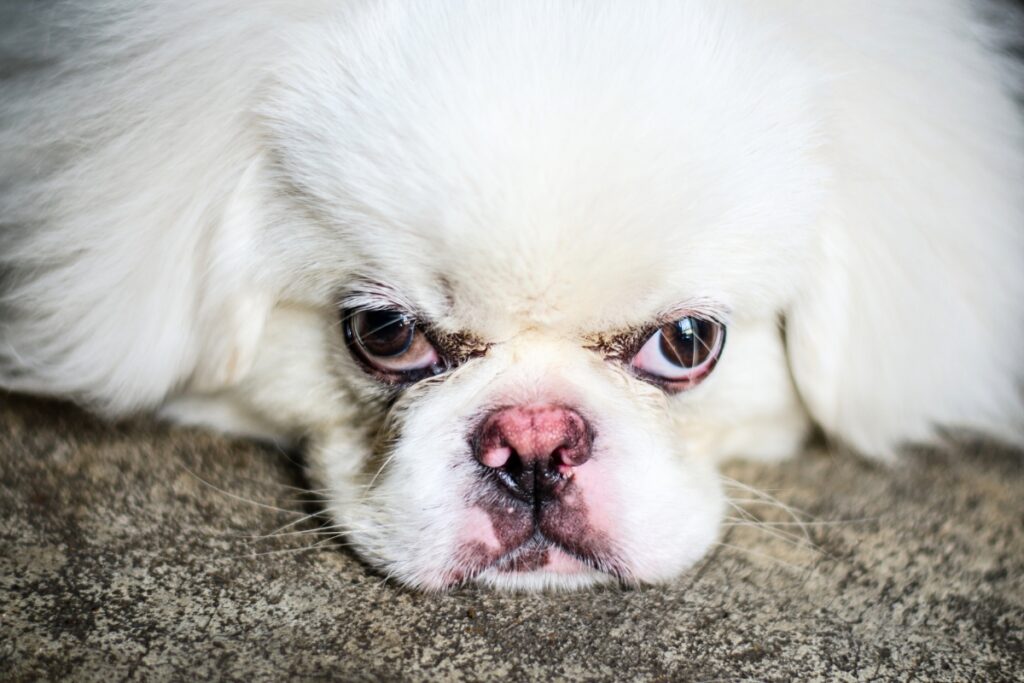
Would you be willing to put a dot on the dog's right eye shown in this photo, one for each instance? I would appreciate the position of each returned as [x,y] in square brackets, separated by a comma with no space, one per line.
[389,344]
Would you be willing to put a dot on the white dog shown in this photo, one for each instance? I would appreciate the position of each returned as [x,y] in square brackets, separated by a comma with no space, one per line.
[519,272]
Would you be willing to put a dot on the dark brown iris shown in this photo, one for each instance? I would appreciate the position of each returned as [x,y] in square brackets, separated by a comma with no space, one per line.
[391,346]
[383,334]
[690,341]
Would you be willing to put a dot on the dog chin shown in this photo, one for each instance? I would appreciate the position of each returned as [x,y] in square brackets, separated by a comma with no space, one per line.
[537,564]
[560,571]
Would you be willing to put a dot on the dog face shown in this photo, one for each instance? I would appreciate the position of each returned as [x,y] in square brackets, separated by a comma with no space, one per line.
[547,257]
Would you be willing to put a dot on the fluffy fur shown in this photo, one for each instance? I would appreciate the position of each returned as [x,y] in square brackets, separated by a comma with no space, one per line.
[189,193]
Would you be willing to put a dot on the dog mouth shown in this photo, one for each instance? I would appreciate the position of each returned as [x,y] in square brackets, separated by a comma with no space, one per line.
[511,538]
[536,558]
[539,553]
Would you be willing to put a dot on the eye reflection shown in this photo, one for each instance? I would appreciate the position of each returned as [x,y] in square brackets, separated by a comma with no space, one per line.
[682,353]
[383,334]
[389,342]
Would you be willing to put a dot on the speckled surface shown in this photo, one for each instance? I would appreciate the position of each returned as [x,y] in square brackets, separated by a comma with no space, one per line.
[126,554]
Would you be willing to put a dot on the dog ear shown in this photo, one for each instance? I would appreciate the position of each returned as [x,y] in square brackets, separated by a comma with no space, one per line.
[120,304]
[232,308]
[912,319]
[128,181]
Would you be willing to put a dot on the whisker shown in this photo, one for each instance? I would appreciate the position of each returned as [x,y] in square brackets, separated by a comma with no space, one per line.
[796,540]
[280,531]
[766,499]
[237,497]
[319,545]
[766,556]
[735,522]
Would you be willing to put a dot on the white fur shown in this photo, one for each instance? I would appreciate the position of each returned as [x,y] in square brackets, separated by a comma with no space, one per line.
[186,192]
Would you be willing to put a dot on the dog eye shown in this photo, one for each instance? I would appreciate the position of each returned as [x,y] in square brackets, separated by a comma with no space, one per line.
[681,354]
[389,343]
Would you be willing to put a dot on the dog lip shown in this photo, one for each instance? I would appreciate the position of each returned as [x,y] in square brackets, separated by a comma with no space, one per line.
[513,561]
[526,551]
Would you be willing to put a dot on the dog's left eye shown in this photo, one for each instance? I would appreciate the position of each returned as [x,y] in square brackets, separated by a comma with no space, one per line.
[389,343]
[681,354]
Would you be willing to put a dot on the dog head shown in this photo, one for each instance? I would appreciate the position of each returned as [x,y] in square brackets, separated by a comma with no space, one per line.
[546,254]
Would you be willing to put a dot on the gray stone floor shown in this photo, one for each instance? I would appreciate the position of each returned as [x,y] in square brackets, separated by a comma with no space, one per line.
[118,562]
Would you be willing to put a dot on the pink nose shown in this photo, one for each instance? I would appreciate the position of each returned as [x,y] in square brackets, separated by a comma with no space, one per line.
[532,449]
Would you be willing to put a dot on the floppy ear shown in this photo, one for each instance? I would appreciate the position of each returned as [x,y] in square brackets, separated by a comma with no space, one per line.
[896,335]
[232,306]
[912,317]
[120,303]
[129,192]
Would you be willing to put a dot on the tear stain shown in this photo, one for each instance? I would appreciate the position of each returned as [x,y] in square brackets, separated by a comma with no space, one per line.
[623,345]
[457,347]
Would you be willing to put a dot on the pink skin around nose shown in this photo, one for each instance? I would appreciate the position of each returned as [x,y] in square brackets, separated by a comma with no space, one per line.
[534,432]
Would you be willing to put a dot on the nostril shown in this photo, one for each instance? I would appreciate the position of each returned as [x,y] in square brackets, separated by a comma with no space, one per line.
[532,449]
[496,457]
[490,446]
[575,447]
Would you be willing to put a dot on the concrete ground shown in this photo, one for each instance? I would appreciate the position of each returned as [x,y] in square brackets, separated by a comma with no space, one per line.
[127,552]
